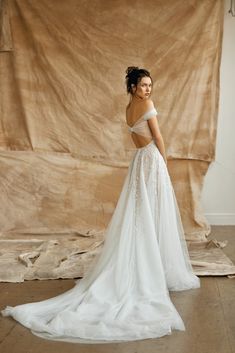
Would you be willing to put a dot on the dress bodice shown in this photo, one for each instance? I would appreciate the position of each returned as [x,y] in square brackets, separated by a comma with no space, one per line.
[141,126]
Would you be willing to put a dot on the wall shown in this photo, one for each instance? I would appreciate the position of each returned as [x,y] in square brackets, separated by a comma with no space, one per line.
[218,196]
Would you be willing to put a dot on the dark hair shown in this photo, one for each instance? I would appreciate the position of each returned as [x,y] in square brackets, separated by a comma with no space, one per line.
[134,76]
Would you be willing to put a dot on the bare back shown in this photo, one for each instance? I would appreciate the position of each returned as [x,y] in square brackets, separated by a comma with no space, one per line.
[134,111]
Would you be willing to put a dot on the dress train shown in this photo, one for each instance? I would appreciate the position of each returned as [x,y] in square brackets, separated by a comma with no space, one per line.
[125,294]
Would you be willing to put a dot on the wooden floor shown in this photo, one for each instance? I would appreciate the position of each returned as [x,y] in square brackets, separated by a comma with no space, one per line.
[208,314]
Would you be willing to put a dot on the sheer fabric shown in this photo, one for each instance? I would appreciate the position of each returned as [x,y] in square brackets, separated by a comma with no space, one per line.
[141,126]
[125,294]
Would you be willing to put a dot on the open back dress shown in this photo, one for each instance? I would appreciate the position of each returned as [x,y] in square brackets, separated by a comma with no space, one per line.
[124,296]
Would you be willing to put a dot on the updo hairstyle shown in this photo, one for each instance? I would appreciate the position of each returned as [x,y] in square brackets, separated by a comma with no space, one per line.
[134,76]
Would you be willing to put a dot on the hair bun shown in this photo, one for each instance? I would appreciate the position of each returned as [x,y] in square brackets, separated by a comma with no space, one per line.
[131,69]
[133,75]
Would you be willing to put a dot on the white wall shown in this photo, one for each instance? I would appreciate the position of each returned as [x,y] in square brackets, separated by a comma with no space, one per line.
[218,196]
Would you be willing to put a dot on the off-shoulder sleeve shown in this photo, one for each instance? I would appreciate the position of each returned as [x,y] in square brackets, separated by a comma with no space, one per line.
[150,114]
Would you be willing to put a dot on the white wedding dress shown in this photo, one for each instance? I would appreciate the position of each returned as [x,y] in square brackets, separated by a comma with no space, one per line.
[125,294]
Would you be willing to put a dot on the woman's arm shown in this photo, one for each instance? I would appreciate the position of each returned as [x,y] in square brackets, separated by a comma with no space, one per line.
[157,136]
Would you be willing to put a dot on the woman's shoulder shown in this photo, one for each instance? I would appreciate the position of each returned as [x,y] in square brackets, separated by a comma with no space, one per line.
[147,105]
[142,106]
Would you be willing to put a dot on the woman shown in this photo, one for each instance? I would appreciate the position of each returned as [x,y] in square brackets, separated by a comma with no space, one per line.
[125,294]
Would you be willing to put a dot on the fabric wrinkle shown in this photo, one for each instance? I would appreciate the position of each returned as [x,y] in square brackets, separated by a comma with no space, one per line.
[125,294]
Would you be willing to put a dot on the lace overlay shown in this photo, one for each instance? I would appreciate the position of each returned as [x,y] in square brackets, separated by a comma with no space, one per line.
[125,294]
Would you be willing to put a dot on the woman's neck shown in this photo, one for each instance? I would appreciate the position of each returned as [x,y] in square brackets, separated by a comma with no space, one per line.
[136,97]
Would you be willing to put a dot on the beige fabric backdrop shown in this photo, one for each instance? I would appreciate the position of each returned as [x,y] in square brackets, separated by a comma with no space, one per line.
[64,145]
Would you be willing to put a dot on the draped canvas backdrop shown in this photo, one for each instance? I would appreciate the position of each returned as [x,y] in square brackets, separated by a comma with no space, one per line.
[64,145]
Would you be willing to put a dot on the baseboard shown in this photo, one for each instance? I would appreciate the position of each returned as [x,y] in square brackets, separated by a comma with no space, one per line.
[219,219]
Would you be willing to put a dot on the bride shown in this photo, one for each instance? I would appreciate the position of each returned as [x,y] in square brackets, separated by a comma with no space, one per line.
[125,294]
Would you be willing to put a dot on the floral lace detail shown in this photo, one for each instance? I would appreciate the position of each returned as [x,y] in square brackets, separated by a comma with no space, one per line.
[107,305]
[145,172]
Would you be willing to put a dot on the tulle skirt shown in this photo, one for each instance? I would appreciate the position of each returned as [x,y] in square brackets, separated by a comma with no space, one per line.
[125,294]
